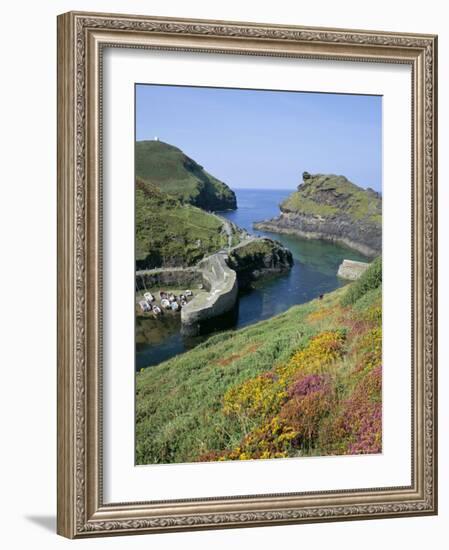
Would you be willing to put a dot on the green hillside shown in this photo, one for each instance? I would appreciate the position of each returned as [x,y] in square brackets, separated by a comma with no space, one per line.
[328,195]
[307,382]
[172,234]
[168,168]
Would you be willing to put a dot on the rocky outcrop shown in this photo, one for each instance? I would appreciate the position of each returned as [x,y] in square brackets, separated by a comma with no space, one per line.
[259,258]
[332,208]
[351,269]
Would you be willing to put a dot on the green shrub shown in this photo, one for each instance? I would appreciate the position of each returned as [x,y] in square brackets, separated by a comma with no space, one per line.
[371,279]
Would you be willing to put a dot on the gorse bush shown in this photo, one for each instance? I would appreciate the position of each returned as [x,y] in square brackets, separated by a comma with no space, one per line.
[265,393]
[297,399]
[258,396]
[317,356]
[305,383]
[370,280]
[271,440]
[370,349]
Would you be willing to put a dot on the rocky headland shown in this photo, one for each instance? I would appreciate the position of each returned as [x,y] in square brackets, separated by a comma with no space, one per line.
[332,208]
[180,241]
[172,171]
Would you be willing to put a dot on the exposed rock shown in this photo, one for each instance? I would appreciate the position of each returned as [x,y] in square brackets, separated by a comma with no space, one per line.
[306,176]
[259,258]
[351,269]
[332,208]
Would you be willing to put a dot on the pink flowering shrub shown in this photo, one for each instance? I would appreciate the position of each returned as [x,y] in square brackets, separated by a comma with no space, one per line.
[357,428]
[306,385]
[325,399]
[311,400]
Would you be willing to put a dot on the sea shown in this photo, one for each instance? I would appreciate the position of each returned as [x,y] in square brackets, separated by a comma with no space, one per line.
[314,272]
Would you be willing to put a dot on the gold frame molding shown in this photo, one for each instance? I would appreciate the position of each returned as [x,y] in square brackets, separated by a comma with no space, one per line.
[81,39]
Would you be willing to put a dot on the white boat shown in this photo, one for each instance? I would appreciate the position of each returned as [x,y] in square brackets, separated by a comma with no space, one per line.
[144,305]
[148,297]
[174,306]
[165,303]
[157,310]
[188,293]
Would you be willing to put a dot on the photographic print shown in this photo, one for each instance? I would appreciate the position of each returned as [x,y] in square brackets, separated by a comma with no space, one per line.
[258,219]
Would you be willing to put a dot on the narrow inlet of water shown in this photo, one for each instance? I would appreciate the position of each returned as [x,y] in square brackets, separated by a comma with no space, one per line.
[314,272]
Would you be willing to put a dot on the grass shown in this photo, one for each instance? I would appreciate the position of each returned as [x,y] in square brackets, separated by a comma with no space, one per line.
[253,248]
[369,282]
[169,233]
[253,253]
[306,382]
[329,195]
[168,168]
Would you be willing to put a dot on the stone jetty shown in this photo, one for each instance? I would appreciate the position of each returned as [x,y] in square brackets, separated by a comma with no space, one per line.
[223,288]
[220,275]
[351,269]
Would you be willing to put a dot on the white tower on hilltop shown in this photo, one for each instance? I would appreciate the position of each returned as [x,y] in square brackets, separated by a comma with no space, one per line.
[156,138]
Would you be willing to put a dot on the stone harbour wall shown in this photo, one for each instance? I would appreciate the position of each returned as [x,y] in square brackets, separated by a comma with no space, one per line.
[221,274]
[170,277]
[222,295]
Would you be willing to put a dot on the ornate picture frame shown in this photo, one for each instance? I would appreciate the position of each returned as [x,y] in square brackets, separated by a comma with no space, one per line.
[82,38]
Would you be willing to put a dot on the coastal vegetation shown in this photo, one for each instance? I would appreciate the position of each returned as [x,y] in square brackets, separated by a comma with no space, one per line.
[328,195]
[172,234]
[167,167]
[330,207]
[304,383]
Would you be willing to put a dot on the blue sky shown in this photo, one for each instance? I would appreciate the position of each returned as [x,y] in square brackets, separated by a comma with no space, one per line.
[266,139]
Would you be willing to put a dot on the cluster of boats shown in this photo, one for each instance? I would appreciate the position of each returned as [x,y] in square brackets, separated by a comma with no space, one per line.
[168,301]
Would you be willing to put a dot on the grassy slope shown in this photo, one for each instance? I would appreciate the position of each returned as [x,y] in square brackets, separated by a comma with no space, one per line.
[328,195]
[170,233]
[170,169]
[241,394]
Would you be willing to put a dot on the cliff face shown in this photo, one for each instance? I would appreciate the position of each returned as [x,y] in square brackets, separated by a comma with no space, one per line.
[168,168]
[332,208]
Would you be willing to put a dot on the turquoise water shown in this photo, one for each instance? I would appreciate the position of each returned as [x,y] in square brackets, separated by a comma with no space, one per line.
[314,272]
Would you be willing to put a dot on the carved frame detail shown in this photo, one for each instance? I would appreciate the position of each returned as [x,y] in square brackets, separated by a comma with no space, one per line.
[81,38]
